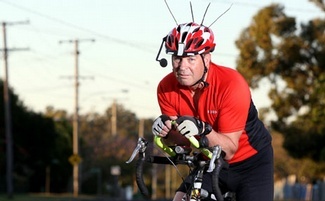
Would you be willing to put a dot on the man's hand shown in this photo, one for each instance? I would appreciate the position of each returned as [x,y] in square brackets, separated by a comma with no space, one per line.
[160,126]
[190,126]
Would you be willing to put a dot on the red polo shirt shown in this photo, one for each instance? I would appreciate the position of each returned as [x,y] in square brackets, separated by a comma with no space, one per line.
[225,104]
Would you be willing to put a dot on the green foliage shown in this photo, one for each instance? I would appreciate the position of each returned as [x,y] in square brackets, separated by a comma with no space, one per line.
[44,141]
[292,58]
[60,167]
[284,165]
[34,137]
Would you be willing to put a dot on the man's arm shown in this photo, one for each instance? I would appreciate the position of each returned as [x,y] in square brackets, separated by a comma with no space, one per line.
[228,142]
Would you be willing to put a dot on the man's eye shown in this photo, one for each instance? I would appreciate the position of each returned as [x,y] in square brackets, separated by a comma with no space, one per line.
[191,59]
[177,59]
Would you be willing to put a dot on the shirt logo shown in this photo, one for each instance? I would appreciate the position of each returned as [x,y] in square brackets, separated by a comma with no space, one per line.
[212,111]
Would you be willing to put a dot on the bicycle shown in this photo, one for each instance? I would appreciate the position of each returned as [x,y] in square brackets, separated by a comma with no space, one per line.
[210,160]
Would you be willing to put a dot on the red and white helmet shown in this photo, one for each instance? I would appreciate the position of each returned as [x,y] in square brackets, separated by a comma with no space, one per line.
[189,39]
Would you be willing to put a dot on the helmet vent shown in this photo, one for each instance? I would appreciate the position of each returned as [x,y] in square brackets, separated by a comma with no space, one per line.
[196,30]
[184,36]
[172,38]
[199,43]
[206,29]
[188,44]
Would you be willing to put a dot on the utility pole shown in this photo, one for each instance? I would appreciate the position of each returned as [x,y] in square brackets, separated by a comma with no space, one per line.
[75,158]
[141,128]
[7,108]
[114,118]
[167,181]
[114,115]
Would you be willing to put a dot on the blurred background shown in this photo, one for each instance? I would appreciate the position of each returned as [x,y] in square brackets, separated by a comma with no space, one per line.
[79,80]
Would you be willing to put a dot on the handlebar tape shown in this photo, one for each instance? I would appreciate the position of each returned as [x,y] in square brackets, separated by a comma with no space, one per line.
[139,178]
[158,141]
[215,178]
[196,144]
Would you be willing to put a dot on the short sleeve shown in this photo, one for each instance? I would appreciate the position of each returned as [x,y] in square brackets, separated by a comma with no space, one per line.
[166,96]
[235,105]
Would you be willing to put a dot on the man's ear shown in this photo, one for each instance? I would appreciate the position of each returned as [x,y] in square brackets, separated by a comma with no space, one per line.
[207,59]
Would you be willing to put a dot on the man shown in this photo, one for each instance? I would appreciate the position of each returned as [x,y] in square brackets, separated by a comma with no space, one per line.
[214,103]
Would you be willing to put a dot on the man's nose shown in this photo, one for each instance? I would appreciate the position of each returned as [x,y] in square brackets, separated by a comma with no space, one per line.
[182,63]
[180,66]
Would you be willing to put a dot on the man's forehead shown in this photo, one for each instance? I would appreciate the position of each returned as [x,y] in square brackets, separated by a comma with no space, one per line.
[186,56]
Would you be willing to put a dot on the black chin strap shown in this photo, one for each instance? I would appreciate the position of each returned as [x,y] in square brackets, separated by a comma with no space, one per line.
[205,84]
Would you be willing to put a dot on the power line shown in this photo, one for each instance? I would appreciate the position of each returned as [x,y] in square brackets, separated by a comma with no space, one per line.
[68,24]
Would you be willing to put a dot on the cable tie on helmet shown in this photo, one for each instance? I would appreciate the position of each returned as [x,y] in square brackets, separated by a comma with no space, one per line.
[180,50]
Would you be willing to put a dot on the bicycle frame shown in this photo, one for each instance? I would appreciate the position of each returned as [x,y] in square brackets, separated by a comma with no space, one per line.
[183,155]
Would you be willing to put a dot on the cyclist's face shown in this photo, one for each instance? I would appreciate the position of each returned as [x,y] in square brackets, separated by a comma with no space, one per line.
[188,69]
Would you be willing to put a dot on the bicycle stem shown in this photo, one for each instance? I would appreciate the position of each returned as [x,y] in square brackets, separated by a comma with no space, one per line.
[215,154]
[194,142]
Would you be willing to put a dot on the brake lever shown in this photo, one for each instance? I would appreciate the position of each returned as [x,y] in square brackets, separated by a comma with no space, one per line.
[140,148]
[216,152]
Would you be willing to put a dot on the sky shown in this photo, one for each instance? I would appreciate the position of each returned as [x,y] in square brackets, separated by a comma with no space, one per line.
[118,44]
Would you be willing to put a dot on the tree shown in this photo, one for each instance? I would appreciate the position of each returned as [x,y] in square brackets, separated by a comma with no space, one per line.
[285,165]
[100,150]
[33,142]
[292,58]
[59,167]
